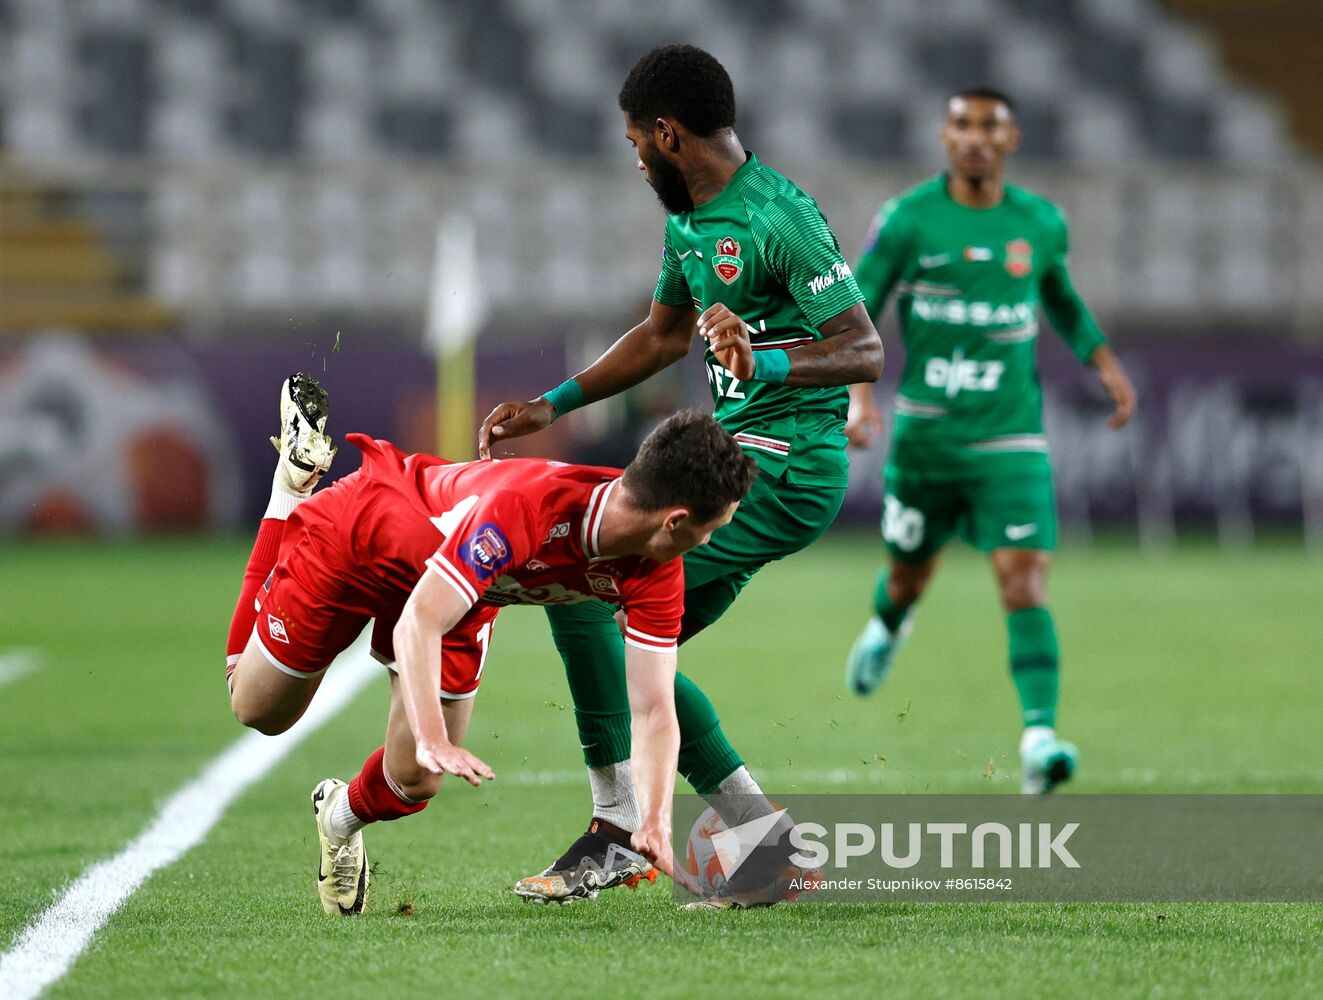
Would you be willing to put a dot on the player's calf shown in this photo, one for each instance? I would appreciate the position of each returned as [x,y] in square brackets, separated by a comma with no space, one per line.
[904,583]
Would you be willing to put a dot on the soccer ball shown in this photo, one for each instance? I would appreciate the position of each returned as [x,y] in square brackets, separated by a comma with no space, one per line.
[706,864]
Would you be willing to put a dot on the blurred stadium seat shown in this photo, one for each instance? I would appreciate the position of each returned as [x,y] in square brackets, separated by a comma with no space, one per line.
[843,94]
[285,77]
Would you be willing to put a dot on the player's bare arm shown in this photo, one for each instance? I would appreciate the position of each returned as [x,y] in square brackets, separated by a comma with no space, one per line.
[655,736]
[850,350]
[863,421]
[1117,385]
[658,342]
[433,609]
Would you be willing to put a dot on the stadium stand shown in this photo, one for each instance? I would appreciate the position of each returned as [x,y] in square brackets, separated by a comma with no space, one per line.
[357,79]
[58,271]
[1265,43]
[297,154]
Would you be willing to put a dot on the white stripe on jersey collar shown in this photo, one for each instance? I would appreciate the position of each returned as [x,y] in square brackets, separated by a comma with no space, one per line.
[592,519]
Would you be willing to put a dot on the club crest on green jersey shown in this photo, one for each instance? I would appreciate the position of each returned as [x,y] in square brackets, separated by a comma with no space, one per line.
[727,261]
[1019,257]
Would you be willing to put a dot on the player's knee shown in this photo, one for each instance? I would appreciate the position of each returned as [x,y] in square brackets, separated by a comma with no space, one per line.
[419,785]
[1026,589]
[412,780]
[1020,599]
[265,722]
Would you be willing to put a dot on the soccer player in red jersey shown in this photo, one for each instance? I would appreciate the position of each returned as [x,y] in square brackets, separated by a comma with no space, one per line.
[430,550]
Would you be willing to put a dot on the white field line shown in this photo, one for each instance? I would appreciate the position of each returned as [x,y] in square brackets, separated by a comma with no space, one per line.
[18,663]
[48,947]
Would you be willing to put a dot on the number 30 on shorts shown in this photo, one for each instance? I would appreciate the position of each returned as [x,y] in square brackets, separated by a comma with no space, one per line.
[901,526]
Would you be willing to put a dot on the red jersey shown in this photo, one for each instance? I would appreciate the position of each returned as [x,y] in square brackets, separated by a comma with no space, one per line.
[511,531]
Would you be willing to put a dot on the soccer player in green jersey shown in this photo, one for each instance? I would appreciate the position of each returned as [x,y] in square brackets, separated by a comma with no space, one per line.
[971,259]
[748,262]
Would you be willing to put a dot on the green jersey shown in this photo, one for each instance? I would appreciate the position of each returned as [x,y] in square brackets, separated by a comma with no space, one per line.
[763,249]
[969,284]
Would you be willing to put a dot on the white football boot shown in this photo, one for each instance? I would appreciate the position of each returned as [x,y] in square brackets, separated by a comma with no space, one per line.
[305,449]
[870,657]
[1046,760]
[342,873]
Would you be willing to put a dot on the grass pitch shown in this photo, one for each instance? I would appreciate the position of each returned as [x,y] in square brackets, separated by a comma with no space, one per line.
[1191,673]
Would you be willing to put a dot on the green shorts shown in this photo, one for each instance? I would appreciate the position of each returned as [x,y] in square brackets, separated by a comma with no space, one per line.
[775,520]
[993,499]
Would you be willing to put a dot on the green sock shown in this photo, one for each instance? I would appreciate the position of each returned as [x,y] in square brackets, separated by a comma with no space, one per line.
[706,756]
[603,738]
[1034,664]
[882,604]
[588,640]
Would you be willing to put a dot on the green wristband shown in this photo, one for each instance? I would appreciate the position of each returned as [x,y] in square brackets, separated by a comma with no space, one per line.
[565,397]
[771,366]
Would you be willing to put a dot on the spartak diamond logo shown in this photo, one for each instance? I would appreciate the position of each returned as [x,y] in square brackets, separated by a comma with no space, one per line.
[727,261]
[603,583]
[1019,257]
[277,629]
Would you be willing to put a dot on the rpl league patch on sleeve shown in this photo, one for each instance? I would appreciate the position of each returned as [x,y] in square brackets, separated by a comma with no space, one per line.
[487,551]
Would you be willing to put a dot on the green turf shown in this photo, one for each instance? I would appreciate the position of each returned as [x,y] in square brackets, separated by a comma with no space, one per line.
[1195,672]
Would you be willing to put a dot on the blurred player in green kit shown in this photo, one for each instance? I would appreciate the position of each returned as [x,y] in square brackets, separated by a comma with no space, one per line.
[971,260]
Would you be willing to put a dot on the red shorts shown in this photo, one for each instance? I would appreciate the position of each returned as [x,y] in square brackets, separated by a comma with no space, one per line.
[307,616]
[463,650]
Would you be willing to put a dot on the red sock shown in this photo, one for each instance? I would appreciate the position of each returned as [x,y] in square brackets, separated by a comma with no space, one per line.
[260,564]
[371,796]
